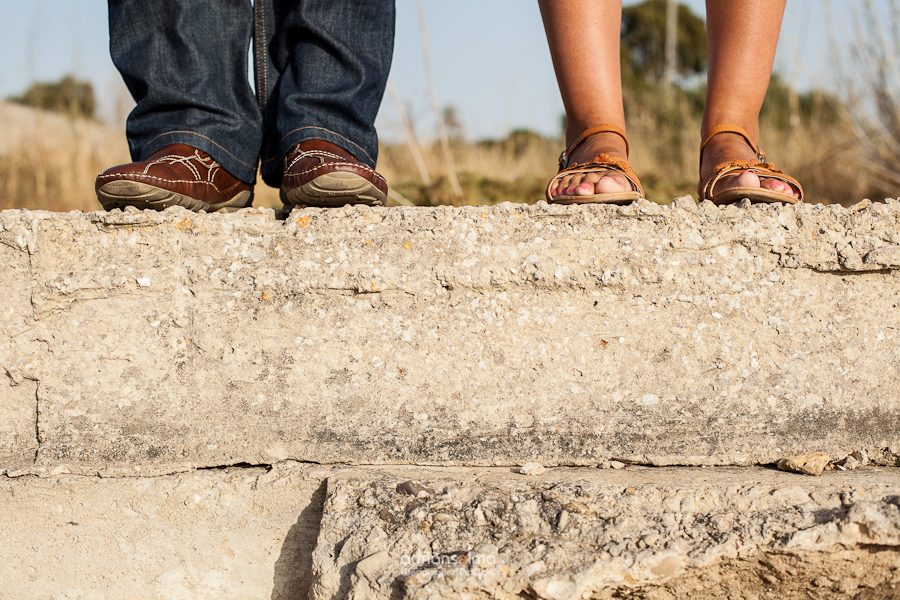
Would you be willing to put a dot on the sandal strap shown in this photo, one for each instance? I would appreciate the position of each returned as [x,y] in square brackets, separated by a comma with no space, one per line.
[732,128]
[603,162]
[564,157]
[761,166]
[762,169]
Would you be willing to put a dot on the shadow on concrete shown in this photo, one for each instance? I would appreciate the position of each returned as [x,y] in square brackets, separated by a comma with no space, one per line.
[293,569]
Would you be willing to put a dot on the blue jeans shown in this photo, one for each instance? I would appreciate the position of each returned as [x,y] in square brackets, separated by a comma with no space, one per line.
[320,68]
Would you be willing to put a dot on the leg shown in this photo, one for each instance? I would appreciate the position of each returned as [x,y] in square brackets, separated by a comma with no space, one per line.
[742,38]
[196,131]
[584,44]
[329,66]
[185,63]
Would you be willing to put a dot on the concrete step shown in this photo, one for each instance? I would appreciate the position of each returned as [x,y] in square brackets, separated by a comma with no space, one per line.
[294,531]
[146,343]
[570,534]
[185,391]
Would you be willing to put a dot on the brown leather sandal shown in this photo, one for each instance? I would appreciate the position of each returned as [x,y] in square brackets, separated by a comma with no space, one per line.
[601,162]
[761,167]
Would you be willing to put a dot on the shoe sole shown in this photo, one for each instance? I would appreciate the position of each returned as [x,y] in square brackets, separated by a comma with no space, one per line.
[754,194]
[335,189]
[608,198]
[122,193]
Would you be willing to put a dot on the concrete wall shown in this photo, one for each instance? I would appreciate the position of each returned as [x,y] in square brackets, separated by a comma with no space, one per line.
[664,335]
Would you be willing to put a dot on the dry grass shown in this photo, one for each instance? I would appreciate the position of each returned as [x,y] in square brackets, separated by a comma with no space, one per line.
[49,161]
[870,83]
[516,169]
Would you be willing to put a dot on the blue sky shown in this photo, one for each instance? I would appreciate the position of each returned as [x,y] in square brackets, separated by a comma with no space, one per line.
[490,57]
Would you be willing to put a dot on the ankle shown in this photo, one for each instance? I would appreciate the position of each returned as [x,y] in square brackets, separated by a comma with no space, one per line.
[725,147]
[605,142]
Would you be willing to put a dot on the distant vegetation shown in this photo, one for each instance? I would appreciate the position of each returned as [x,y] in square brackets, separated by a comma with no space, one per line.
[68,95]
[49,157]
[643,42]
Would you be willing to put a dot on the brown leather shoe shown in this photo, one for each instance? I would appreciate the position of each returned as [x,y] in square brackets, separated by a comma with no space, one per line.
[318,173]
[177,175]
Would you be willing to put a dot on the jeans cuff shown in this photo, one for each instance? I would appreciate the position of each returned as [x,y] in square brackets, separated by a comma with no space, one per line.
[235,167]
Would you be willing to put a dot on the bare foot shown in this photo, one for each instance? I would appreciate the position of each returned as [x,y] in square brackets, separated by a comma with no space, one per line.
[726,147]
[600,182]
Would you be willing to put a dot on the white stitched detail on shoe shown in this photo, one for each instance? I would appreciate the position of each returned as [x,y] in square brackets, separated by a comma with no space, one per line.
[317,167]
[188,181]
[314,153]
[173,159]
[323,154]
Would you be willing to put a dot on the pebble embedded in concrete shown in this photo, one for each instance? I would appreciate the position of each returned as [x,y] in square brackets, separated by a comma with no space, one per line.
[532,468]
[808,464]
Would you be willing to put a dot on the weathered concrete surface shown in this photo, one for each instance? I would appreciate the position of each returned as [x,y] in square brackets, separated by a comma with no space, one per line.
[577,533]
[256,533]
[483,335]
[18,346]
[217,534]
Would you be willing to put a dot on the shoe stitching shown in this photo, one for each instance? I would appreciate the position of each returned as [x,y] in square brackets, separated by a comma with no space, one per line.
[207,162]
[321,153]
[163,179]
[317,167]
[175,159]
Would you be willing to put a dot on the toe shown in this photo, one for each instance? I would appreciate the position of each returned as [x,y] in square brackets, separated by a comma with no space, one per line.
[610,183]
[782,187]
[571,185]
[562,185]
[591,183]
[775,185]
[746,179]
[584,189]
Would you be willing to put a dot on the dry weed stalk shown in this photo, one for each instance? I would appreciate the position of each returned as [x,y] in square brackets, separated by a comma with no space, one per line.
[439,117]
[409,133]
[873,93]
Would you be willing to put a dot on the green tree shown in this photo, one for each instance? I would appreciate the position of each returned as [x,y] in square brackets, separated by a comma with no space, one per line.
[644,41]
[68,95]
